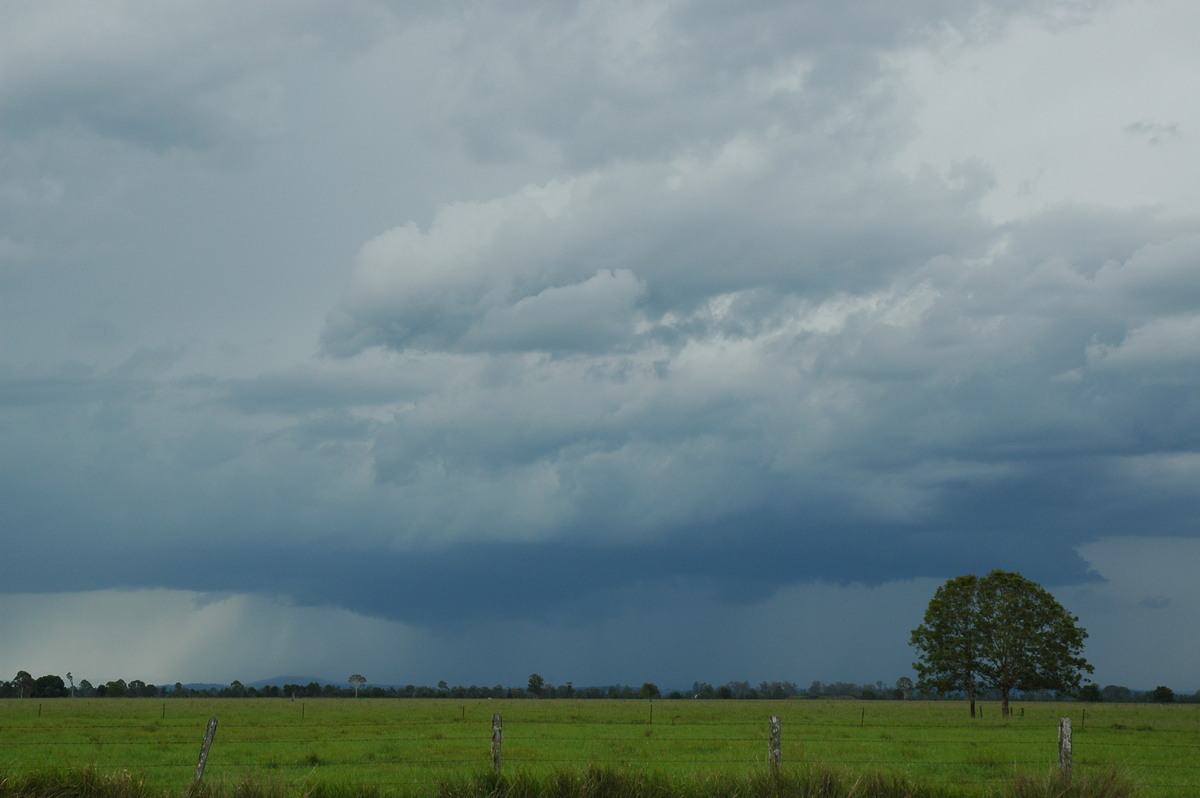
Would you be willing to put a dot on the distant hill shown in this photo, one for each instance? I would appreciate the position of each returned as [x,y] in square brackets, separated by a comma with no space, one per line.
[280,681]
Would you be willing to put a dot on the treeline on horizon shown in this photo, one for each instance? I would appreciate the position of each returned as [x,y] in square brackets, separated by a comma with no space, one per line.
[24,685]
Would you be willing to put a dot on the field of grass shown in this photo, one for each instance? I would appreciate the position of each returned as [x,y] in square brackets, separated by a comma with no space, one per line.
[418,747]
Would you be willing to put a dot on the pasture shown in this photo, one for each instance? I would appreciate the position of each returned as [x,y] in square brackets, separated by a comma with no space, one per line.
[409,747]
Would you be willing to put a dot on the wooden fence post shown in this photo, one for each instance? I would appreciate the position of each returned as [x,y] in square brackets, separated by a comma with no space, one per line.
[497,734]
[1064,748]
[775,747]
[208,738]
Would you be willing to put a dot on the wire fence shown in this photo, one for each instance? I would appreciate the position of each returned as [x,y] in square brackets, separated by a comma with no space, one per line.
[1161,760]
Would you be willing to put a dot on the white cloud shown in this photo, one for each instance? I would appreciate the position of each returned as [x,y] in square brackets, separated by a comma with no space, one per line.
[592,314]
[411,285]
[1050,110]
[718,222]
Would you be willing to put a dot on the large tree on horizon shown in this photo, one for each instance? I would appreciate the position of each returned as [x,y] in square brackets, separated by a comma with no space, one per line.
[1002,631]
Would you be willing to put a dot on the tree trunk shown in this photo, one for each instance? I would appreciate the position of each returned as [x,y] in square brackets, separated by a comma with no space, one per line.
[1004,703]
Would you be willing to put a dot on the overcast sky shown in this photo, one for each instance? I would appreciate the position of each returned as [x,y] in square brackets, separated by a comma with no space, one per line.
[612,341]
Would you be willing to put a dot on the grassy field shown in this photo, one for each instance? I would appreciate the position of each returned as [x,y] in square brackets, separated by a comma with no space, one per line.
[410,747]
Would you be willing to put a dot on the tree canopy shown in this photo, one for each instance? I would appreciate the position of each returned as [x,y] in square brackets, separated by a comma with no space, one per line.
[1001,631]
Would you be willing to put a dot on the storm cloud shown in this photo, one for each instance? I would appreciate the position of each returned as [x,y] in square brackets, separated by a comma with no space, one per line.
[564,320]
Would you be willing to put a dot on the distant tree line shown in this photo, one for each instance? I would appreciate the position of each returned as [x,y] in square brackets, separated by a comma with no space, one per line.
[24,685]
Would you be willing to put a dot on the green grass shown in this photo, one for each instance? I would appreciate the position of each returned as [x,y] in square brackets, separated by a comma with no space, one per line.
[341,748]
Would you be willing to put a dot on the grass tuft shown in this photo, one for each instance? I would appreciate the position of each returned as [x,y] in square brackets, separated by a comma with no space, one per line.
[598,782]
[1103,784]
[74,783]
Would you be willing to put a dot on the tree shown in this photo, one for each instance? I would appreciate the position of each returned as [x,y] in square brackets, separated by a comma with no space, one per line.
[1033,642]
[1116,692]
[1001,631]
[1163,694]
[49,686]
[649,690]
[536,684]
[904,686]
[949,643]
[357,681]
[24,684]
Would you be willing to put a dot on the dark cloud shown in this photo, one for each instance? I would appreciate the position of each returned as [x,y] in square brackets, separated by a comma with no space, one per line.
[459,584]
[958,431]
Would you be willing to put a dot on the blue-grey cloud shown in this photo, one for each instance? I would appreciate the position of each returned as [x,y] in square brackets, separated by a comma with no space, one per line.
[448,319]
[118,72]
[913,415]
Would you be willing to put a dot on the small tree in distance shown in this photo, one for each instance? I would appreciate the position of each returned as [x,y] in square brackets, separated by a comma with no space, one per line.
[357,681]
[1000,631]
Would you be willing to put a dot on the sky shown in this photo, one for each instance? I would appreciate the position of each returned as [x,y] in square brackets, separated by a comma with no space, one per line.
[661,341]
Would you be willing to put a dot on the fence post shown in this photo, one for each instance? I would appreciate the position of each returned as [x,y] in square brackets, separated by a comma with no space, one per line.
[775,747]
[497,734]
[208,738]
[1064,748]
